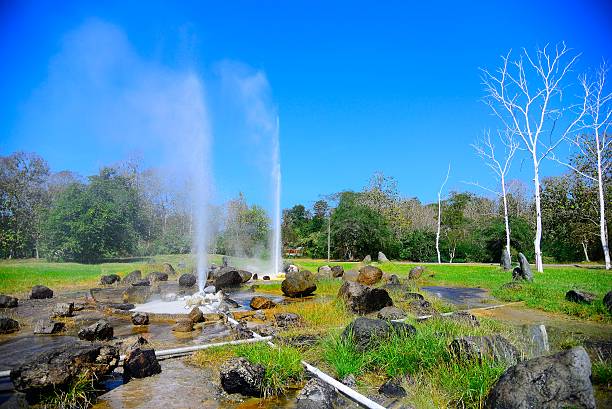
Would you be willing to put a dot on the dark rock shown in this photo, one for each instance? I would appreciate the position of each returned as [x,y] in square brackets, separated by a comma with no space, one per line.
[169,270]
[287,319]
[8,325]
[266,278]
[56,369]
[506,262]
[382,258]
[299,284]
[301,341]
[367,331]
[607,301]
[245,275]
[224,261]
[136,294]
[393,281]
[413,296]
[578,296]
[141,283]
[494,347]
[99,331]
[463,317]
[187,280]
[183,325]
[242,332]
[337,271]
[391,313]
[47,327]
[266,330]
[238,375]
[196,315]
[140,363]
[369,275]
[421,308]
[40,292]
[62,309]
[6,301]
[140,318]
[110,279]
[362,299]
[121,306]
[125,345]
[255,277]
[367,259]
[157,276]
[416,273]
[316,395]
[523,271]
[561,380]
[134,276]
[392,388]
[230,303]
[262,303]
[228,279]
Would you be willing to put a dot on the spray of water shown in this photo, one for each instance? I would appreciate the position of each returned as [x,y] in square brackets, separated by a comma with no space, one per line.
[276,217]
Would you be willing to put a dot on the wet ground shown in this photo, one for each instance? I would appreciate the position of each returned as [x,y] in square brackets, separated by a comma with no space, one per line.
[462,298]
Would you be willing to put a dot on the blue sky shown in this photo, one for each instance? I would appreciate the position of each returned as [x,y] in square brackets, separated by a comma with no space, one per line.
[358,86]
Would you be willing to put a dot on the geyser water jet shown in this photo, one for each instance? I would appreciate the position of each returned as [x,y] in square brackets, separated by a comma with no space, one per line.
[276,216]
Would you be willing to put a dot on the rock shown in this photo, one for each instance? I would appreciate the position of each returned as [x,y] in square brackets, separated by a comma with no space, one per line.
[413,296]
[538,339]
[6,301]
[266,278]
[421,308]
[187,280]
[62,309]
[463,317]
[125,345]
[259,315]
[134,276]
[238,375]
[169,270]
[369,275]
[141,283]
[136,294]
[392,388]
[140,363]
[210,289]
[391,313]
[324,272]
[316,395]
[291,268]
[561,380]
[157,276]
[506,262]
[40,292]
[123,306]
[99,331]
[301,341]
[350,381]
[494,347]
[416,272]
[47,327]
[581,297]
[56,369]
[350,275]
[367,259]
[299,284]
[228,279]
[110,279]
[196,315]
[523,271]
[224,261]
[8,325]
[255,277]
[607,301]
[287,319]
[382,258]
[183,325]
[245,275]
[337,271]
[261,303]
[367,331]
[361,299]
[140,318]
[393,281]
[242,332]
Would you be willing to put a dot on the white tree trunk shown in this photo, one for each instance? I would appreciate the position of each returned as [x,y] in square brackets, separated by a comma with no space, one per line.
[603,228]
[585,248]
[329,238]
[438,231]
[506,221]
[538,236]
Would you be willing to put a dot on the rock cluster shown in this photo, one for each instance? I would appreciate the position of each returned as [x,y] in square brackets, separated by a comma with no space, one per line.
[362,299]
[523,271]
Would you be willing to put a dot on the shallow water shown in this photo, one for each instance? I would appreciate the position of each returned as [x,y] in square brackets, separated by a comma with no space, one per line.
[463,297]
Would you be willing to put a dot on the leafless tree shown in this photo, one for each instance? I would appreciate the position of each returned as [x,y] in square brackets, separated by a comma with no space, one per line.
[440,214]
[526,95]
[592,141]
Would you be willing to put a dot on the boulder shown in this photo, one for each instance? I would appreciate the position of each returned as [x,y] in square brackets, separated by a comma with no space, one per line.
[125,345]
[238,375]
[48,327]
[261,303]
[291,268]
[121,306]
[493,347]
[382,258]
[287,319]
[316,394]
[169,270]
[416,272]
[55,370]
[337,271]
[266,278]
[607,301]
[183,325]
[157,276]
[196,315]
[393,282]
[228,279]
[506,262]
[242,332]
[421,308]
[324,272]
[140,363]
[40,292]
[6,301]
[140,318]
[463,317]
[561,380]
[99,331]
[523,271]
[245,275]
[132,277]
[350,275]
[369,275]
[299,284]
[255,277]
[365,332]
[63,309]
[260,315]
[110,279]
[136,294]
[8,325]
[391,313]
[367,259]
[361,299]
[187,280]
[413,296]
[141,283]
[581,297]
[392,388]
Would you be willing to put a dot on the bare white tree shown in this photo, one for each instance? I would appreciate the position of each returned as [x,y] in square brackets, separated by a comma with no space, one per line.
[500,165]
[526,95]
[440,214]
[592,141]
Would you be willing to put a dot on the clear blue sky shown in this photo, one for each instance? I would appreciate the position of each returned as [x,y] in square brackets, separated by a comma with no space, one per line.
[359,86]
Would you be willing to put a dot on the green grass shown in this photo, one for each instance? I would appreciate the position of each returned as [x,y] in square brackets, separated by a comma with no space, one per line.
[80,394]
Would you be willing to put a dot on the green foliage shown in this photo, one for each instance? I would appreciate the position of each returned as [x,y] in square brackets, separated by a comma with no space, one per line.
[246,231]
[419,246]
[80,394]
[602,372]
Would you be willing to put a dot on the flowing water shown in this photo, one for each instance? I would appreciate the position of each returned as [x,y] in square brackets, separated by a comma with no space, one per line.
[276,217]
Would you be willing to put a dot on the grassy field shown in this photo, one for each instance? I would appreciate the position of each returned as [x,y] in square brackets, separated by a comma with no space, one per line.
[546,293]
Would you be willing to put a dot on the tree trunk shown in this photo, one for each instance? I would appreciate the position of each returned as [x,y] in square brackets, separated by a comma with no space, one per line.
[538,237]
[603,228]
[329,238]
[585,248]
[438,232]
[506,221]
